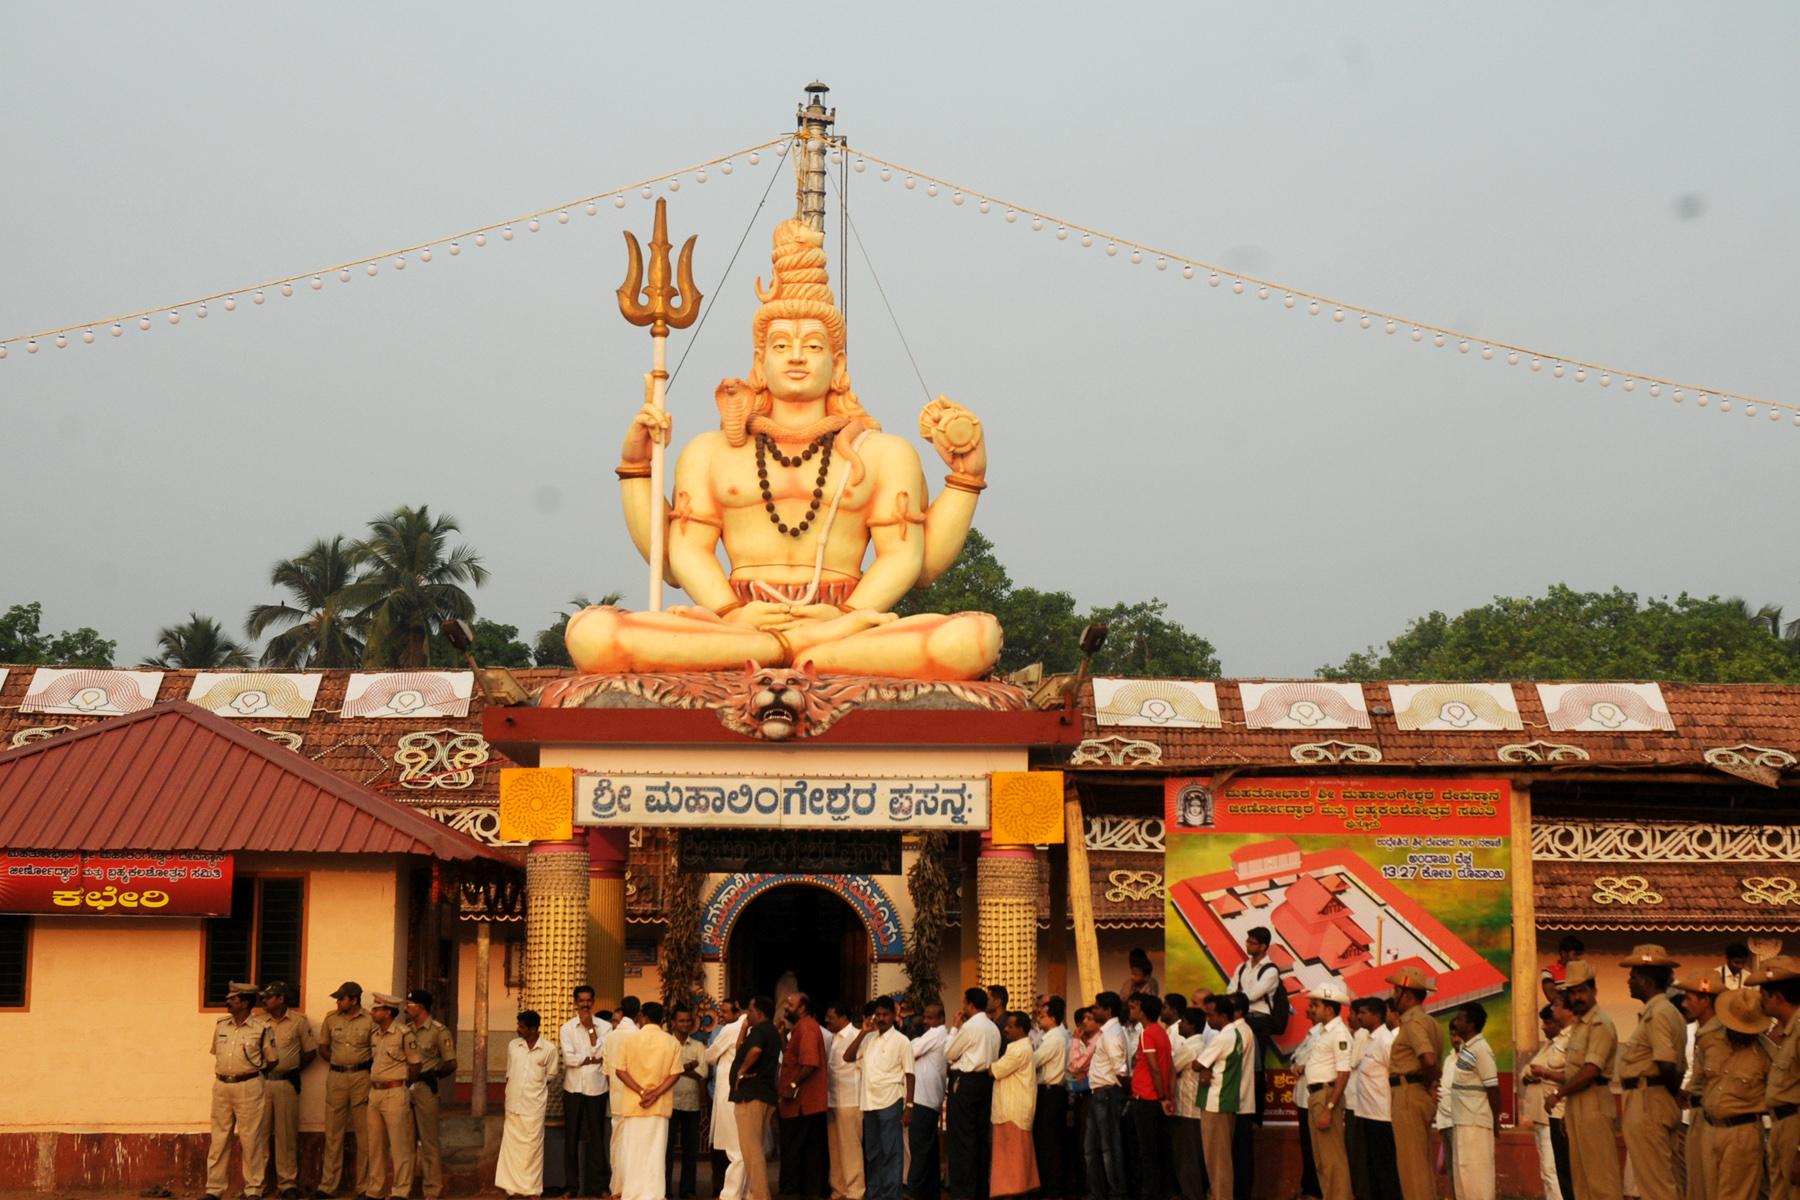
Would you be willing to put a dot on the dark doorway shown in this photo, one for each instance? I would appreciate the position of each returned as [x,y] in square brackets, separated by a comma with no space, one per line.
[806,930]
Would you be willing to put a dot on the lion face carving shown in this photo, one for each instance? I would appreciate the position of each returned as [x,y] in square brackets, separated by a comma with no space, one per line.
[773,701]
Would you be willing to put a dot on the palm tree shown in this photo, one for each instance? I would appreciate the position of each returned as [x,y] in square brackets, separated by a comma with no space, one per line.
[199,643]
[320,631]
[409,584]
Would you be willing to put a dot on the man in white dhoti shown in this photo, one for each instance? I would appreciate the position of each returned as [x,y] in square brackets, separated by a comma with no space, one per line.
[647,1067]
[624,1027]
[531,1063]
[721,1056]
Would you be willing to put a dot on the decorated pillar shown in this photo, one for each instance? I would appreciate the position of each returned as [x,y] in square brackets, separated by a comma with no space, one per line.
[555,933]
[1026,808]
[1007,886]
[608,850]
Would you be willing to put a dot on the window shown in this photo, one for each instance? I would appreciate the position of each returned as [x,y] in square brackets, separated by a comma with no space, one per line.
[15,959]
[261,939]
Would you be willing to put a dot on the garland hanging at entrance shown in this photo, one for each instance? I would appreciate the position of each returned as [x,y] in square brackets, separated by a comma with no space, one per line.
[930,889]
[680,951]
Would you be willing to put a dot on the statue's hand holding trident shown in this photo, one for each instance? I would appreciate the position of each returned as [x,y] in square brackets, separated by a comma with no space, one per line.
[660,309]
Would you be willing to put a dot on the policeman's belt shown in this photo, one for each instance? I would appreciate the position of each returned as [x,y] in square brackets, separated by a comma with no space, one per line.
[292,1077]
[1725,1122]
[1782,1112]
[244,1078]
[431,1082]
[1634,1083]
[361,1066]
[1409,1077]
[384,1084]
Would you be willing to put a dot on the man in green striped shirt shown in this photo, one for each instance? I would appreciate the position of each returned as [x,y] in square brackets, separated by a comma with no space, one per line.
[1226,1088]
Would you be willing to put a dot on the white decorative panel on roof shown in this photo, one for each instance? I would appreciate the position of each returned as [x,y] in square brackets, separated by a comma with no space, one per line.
[409,694]
[1605,707]
[1172,703]
[1471,706]
[262,695]
[1304,704]
[90,691]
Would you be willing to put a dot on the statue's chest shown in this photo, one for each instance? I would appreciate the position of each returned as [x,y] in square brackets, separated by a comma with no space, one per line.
[739,481]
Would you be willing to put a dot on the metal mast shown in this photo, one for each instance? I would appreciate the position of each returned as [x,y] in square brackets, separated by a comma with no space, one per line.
[813,121]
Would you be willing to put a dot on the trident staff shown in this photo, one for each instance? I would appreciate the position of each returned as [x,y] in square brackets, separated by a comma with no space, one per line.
[658,308]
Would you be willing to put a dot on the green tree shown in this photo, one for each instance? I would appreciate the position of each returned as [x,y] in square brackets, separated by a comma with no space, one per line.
[409,582]
[22,642]
[495,645]
[1045,626]
[318,630]
[1566,634]
[198,643]
[549,648]
[1141,640]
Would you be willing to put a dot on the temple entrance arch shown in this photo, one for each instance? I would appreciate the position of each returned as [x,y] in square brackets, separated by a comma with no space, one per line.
[829,930]
[808,931]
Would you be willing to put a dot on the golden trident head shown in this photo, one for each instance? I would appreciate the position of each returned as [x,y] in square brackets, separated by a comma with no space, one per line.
[658,308]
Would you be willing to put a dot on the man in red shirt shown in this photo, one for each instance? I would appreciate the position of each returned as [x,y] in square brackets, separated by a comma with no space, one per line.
[802,1088]
[1152,1095]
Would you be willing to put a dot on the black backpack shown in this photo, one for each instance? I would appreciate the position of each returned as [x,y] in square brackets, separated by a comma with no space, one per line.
[1280,1013]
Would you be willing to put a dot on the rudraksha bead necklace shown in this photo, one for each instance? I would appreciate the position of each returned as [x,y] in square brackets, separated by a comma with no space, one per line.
[765,445]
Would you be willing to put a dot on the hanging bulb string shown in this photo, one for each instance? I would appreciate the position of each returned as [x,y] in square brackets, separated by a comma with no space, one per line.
[373,260]
[1291,294]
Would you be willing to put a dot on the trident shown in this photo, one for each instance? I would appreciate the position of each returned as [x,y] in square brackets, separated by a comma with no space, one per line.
[658,309]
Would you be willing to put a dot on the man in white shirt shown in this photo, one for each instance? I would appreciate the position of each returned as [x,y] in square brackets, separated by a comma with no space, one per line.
[623,1028]
[923,1179]
[1107,1080]
[1190,1160]
[531,1063]
[843,1105]
[1222,1067]
[585,1126]
[1250,1094]
[1049,1130]
[968,1126]
[721,1057]
[1256,980]
[1327,1075]
[884,1057]
[1474,1090]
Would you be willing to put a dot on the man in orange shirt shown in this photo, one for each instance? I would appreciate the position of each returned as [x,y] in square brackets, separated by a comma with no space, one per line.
[803,1087]
[647,1070]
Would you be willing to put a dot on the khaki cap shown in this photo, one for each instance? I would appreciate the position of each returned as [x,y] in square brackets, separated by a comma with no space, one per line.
[348,988]
[1579,972]
[1649,955]
[383,1000]
[1699,981]
[1741,1011]
[1413,977]
[1784,966]
[241,989]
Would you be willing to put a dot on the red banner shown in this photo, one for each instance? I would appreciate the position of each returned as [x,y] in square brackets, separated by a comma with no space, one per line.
[117,883]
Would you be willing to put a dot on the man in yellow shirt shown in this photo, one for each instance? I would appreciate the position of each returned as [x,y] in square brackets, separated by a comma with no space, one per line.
[648,1067]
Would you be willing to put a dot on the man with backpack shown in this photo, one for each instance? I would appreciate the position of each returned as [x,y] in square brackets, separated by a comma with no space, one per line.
[1258,979]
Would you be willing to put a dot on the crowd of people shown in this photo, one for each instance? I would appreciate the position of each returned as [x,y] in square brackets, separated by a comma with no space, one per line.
[1134,1096]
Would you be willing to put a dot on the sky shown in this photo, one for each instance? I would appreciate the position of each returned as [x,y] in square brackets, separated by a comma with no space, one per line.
[1609,182]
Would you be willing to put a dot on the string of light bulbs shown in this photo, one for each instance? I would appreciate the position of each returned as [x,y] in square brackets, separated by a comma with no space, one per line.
[87,331]
[1367,317]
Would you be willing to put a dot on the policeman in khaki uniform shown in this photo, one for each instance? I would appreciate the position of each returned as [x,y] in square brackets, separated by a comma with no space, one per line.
[1735,1098]
[1700,988]
[1327,1074]
[1414,1061]
[295,1048]
[1589,1111]
[344,1043]
[242,1048]
[1779,983]
[393,1066]
[1651,1065]
[437,1067]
